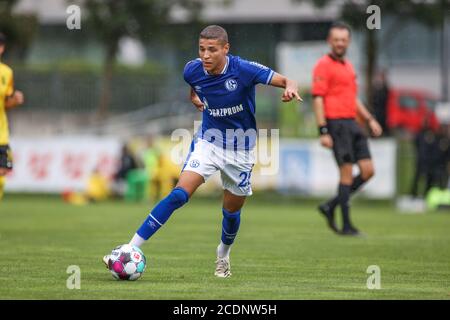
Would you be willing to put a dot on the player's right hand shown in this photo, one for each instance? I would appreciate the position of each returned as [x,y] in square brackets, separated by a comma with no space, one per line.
[198,103]
[195,99]
[326,141]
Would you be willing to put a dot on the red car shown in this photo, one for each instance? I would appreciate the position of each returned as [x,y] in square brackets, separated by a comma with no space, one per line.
[410,109]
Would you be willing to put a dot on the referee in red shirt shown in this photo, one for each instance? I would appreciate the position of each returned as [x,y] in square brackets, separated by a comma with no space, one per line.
[336,107]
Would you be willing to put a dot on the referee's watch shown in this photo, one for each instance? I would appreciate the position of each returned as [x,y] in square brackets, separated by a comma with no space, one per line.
[323,130]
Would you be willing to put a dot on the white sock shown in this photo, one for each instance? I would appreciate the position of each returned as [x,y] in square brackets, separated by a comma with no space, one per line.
[223,250]
[137,240]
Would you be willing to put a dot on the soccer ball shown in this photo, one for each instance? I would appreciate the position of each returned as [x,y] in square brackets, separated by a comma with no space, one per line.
[127,262]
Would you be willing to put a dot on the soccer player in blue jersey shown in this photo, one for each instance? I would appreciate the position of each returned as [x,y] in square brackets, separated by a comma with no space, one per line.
[223,88]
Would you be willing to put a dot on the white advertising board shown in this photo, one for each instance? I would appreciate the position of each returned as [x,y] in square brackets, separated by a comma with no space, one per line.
[303,167]
[60,163]
[309,169]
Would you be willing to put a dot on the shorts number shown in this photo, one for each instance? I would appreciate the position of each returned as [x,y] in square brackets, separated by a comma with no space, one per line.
[245,179]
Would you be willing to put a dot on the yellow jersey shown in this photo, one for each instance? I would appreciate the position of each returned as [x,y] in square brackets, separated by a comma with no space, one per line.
[6,90]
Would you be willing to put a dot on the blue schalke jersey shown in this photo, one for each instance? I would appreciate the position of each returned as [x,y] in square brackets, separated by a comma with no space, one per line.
[229,99]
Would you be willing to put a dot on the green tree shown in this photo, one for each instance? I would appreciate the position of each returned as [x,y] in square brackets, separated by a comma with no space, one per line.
[111,20]
[20,29]
[355,13]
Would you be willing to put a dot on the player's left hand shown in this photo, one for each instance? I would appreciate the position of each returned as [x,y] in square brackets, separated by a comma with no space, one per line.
[15,100]
[289,94]
[375,127]
[18,96]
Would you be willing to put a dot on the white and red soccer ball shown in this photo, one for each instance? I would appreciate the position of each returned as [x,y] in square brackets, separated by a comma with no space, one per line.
[127,262]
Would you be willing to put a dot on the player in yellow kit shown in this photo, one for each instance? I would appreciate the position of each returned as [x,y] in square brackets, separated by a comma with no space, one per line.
[9,98]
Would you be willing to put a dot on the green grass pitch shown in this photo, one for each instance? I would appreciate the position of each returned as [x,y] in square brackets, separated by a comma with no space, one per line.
[283,251]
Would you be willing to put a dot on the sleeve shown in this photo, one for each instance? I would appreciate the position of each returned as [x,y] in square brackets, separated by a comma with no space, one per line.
[320,80]
[10,86]
[253,73]
[187,73]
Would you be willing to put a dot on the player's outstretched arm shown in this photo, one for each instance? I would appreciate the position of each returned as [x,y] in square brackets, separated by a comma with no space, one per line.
[368,117]
[14,100]
[290,87]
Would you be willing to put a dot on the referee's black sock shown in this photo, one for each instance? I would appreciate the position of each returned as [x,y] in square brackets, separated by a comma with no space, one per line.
[344,202]
[357,183]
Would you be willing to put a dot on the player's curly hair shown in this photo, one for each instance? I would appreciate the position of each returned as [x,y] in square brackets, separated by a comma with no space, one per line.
[215,32]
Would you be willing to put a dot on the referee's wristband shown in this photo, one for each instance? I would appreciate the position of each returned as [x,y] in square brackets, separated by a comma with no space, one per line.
[323,130]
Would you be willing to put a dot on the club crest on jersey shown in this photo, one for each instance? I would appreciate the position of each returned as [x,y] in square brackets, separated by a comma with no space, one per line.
[195,163]
[231,84]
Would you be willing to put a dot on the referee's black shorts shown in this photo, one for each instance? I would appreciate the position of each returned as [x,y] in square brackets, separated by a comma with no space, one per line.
[349,141]
[6,157]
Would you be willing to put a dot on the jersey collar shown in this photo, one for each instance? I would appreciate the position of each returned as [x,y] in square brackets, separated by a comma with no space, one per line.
[224,70]
[334,58]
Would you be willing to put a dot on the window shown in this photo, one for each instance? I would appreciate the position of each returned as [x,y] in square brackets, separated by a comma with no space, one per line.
[430,103]
[408,102]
